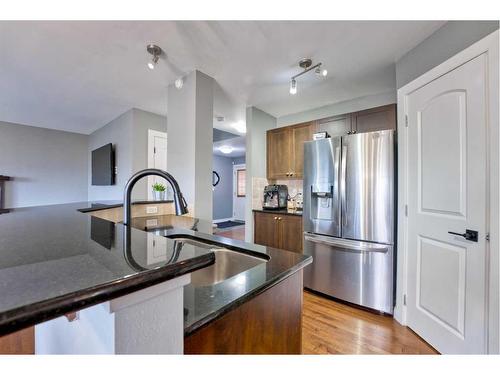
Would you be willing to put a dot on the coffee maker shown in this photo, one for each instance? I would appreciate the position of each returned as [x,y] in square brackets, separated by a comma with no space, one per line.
[275,197]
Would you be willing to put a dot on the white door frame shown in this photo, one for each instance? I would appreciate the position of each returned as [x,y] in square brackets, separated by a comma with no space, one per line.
[151,156]
[488,45]
[235,187]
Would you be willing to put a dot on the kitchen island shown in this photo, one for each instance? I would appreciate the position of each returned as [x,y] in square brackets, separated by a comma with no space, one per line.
[55,260]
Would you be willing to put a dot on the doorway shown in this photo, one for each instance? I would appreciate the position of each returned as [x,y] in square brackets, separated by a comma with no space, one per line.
[157,158]
[239,193]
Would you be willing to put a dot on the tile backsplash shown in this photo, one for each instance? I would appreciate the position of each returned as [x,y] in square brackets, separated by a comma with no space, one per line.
[258,184]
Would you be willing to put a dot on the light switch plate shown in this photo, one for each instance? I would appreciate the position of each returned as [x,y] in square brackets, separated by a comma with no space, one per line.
[152,210]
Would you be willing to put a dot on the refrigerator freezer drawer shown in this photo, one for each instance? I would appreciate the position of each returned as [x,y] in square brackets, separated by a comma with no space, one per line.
[353,271]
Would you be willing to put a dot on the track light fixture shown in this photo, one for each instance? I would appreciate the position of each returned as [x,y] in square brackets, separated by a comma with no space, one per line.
[306,65]
[293,86]
[155,51]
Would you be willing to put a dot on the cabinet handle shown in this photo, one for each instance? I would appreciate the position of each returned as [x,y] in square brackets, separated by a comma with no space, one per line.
[276,218]
[279,218]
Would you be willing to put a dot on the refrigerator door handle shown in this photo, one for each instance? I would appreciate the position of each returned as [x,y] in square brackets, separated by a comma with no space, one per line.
[343,185]
[357,246]
[338,186]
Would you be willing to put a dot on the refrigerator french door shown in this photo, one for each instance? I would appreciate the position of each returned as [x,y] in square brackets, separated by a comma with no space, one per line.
[349,218]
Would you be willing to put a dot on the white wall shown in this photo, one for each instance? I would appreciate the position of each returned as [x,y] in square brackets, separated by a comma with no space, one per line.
[47,166]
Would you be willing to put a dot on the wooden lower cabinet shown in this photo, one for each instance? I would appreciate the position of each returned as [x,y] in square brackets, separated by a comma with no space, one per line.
[20,342]
[266,229]
[291,233]
[278,230]
[270,323]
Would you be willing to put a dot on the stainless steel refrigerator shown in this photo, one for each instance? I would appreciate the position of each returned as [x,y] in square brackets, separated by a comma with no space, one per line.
[349,218]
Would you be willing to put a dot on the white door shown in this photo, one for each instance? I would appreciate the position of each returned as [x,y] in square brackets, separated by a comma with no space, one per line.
[447,192]
[239,176]
[157,158]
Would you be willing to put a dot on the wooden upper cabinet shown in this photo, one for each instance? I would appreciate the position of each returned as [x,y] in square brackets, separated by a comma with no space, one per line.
[285,150]
[300,134]
[285,146]
[279,153]
[335,126]
[373,119]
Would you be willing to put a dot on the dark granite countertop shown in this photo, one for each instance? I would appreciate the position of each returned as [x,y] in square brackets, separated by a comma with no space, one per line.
[280,212]
[104,205]
[54,260]
[202,304]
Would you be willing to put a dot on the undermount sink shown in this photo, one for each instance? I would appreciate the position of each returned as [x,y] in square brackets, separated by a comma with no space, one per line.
[228,263]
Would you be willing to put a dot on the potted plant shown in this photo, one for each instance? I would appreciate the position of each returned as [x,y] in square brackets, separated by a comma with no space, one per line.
[159,191]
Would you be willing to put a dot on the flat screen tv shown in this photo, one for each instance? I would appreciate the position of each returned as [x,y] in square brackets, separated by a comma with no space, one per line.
[103,165]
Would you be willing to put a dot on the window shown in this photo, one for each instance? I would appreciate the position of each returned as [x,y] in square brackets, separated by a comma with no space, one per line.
[240,182]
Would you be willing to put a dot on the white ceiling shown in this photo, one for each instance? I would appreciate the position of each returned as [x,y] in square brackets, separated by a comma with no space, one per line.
[238,144]
[77,76]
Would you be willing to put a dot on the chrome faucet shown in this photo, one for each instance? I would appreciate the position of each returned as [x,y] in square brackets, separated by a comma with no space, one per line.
[179,201]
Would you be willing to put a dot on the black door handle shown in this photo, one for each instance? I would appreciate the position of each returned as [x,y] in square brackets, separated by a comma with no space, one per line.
[469,235]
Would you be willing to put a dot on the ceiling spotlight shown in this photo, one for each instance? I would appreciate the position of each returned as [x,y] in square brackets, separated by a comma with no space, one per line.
[240,127]
[226,149]
[293,87]
[179,82]
[306,65]
[154,51]
[321,72]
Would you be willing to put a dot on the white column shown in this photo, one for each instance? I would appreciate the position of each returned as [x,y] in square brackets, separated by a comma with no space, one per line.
[258,123]
[189,143]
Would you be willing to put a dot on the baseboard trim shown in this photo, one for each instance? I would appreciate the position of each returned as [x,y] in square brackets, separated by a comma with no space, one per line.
[222,220]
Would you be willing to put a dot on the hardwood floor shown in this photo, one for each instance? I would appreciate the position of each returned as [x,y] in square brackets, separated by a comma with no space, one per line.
[237,233]
[330,327]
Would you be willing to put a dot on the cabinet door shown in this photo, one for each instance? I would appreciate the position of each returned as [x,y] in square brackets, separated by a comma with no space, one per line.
[291,233]
[379,118]
[300,134]
[266,229]
[279,153]
[335,126]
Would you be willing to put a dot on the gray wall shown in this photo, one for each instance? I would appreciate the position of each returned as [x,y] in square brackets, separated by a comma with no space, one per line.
[339,108]
[239,160]
[119,132]
[450,39]
[223,192]
[129,135]
[258,123]
[47,166]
